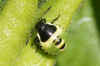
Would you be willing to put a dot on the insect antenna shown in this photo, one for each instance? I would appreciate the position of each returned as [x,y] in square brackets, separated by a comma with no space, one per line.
[43,20]
[47,10]
[55,19]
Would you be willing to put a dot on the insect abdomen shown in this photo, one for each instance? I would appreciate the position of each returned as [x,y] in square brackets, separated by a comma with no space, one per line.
[59,43]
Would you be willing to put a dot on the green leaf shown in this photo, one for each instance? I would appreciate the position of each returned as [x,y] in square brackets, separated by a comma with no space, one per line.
[17,19]
[27,57]
[83,39]
[16,22]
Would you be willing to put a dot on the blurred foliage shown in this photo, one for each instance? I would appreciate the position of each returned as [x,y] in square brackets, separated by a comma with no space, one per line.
[96,9]
[2,3]
[83,37]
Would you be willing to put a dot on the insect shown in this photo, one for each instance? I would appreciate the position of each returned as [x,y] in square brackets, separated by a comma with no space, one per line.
[48,37]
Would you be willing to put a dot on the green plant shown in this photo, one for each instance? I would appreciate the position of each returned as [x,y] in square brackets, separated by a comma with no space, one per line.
[19,17]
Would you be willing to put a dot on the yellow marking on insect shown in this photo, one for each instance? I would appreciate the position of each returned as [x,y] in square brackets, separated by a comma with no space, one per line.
[61,44]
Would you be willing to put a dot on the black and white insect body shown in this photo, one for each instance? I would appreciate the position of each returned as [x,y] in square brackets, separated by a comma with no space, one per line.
[48,37]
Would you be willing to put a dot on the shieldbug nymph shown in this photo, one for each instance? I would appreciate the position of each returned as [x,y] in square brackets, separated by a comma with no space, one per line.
[48,37]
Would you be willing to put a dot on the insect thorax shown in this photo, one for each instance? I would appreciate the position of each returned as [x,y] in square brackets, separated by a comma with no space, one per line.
[49,41]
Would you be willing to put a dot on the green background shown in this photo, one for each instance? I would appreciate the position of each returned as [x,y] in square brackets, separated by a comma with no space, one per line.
[82,36]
